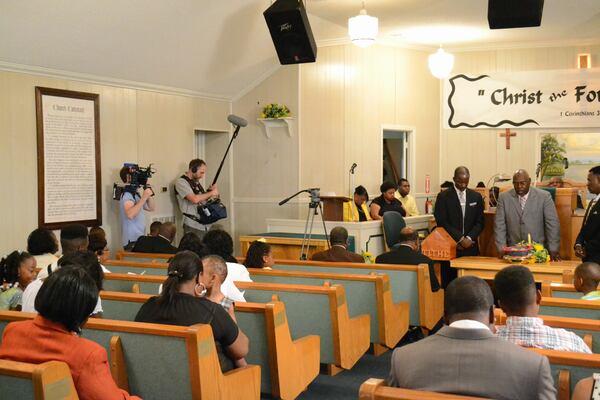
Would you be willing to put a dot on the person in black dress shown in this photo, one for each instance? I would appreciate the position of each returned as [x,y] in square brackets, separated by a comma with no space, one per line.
[386,202]
[182,303]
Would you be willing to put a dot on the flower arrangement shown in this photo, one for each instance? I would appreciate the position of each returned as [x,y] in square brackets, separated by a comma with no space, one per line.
[527,252]
[274,110]
[368,257]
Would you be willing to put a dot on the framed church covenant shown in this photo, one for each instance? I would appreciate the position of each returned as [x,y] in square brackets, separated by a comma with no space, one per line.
[68,148]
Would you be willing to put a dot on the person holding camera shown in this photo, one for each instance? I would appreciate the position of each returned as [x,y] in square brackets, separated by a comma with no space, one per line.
[131,207]
[190,194]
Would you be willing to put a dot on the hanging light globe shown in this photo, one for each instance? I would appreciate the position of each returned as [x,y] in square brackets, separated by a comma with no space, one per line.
[441,63]
[363,29]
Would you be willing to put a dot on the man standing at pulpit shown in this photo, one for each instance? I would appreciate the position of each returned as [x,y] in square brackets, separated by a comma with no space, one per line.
[587,244]
[524,211]
[459,210]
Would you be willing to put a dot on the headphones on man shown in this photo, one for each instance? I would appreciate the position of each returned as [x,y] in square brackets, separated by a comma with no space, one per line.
[195,164]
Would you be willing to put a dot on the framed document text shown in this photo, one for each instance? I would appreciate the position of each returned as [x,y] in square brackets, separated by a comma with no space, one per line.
[68,148]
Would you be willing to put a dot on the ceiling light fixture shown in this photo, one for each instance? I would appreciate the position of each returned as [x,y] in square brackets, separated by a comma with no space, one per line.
[363,28]
[441,63]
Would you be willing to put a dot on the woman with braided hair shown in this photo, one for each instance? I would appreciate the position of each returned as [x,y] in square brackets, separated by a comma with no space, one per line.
[182,302]
[17,270]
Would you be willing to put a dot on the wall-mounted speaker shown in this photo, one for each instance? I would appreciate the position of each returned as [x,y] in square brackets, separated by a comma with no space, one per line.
[290,31]
[503,14]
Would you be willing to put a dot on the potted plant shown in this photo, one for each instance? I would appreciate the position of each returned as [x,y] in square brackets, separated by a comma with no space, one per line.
[275,111]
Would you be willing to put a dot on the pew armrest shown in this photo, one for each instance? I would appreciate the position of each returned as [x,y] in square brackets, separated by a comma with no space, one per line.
[242,383]
[431,304]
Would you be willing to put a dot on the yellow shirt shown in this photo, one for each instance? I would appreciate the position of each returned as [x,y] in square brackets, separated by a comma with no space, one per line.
[351,213]
[409,203]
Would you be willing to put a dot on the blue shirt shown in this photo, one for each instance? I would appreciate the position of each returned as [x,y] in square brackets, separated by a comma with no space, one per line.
[131,229]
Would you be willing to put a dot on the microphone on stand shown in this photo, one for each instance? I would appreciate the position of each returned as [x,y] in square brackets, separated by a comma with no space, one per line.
[238,121]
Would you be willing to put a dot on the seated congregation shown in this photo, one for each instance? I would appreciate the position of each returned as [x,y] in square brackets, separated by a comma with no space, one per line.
[470,352]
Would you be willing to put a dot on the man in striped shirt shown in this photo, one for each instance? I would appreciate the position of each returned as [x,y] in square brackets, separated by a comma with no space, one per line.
[520,300]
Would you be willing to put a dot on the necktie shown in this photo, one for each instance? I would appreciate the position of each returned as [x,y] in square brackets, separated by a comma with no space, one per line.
[522,200]
[463,202]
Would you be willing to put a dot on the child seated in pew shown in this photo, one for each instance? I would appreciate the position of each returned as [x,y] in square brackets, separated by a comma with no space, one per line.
[214,273]
[17,270]
[586,279]
[519,298]
[65,301]
[259,255]
[183,302]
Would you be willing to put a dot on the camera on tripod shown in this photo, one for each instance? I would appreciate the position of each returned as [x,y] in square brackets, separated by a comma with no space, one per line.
[138,178]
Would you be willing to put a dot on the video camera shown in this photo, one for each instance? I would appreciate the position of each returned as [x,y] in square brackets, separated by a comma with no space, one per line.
[139,178]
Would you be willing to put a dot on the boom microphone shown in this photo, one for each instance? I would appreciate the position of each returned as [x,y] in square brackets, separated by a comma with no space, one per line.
[238,121]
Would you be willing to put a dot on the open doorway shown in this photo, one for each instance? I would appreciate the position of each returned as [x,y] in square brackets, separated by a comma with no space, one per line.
[397,155]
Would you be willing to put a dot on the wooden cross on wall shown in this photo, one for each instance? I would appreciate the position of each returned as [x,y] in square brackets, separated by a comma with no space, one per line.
[507,134]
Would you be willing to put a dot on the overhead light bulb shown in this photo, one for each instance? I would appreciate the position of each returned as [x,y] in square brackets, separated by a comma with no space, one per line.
[363,29]
[441,63]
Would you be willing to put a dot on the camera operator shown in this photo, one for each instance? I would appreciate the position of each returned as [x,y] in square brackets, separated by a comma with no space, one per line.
[190,193]
[131,206]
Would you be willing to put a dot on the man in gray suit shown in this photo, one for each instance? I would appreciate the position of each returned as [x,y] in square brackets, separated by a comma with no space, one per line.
[466,358]
[525,210]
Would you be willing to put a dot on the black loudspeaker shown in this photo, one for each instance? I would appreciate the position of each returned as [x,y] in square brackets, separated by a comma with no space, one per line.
[290,31]
[504,14]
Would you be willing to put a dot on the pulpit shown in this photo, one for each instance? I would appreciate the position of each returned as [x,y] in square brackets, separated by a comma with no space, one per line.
[439,245]
[333,207]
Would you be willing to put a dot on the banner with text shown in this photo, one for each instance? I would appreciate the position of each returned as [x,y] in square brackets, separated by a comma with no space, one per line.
[536,99]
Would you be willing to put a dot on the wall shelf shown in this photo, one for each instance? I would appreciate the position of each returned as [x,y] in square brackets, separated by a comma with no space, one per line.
[271,123]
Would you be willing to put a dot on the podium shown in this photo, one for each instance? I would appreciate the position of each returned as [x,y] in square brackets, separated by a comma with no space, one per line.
[333,207]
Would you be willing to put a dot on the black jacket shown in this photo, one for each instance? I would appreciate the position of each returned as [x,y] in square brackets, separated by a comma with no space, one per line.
[448,215]
[154,244]
[589,235]
[406,255]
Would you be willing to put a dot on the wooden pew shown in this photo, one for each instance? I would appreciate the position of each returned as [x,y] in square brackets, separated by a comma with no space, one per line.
[322,311]
[573,308]
[409,283]
[147,284]
[143,257]
[375,389]
[560,290]
[287,366]
[47,381]
[136,267]
[568,276]
[148,360]
[366,294]
[569,368]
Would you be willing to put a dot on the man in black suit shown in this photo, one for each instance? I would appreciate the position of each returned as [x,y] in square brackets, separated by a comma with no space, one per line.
[587,244]
[408,253]
[459,210]
[158,244]
[338,238]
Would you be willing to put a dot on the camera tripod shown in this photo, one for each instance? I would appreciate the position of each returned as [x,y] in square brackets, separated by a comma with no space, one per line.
[314,206]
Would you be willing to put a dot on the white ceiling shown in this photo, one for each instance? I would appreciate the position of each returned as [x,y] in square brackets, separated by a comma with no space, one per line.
[221,47]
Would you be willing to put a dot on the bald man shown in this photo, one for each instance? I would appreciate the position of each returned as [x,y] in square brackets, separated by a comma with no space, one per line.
[524,211]
[586,279]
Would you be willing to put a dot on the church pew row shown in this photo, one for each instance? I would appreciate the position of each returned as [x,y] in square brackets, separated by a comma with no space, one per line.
[322,311]
[569,368]
[148,360]
[366,294]
[47,381]
[375,389]
[311,310]
[409,283]
[137,267]
[129,283]
[287,366]
[574,308]
[587,329]
[143,257]
[560,290]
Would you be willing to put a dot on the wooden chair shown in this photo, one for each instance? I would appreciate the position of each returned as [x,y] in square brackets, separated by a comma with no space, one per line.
[375,389]
[157,361]
[47,381]
[143,257]
[366,294]
[321,311]
[408,283]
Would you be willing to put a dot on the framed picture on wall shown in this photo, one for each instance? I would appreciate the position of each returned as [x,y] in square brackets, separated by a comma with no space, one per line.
[68,148]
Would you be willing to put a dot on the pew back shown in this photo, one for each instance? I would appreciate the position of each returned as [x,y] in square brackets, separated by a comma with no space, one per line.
[143,257]
[375,389]
[47,381]
[560,290]
[136,267]
[573,308]
[366,294]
